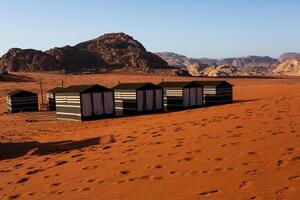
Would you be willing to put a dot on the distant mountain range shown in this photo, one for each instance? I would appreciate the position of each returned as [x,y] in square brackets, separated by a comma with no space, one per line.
[250,65]
[120,52]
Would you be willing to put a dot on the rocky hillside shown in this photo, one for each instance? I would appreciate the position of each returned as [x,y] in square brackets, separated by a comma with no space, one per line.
[289,56]
[28,60]
[250,61]
[110,51]
[221,71]
[288,67]
[247,65]
[174,59]
[73,59]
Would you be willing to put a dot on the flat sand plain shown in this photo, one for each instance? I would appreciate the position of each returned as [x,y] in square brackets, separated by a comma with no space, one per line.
[246,150]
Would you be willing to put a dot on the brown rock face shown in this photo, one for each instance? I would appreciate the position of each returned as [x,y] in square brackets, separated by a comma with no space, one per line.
[73,59]
[29,60]
[121,50]
[110,51]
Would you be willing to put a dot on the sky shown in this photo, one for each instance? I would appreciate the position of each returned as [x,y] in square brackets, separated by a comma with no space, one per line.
[195,28]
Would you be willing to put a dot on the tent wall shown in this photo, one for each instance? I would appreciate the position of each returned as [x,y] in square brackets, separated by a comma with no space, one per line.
[98,104]
[86,105]
[150,100]
[68,106]
[125,101]
[173,98]
[199,97]
[214,95]
[22,104]
[138,101]
[159,99]
[193,97]
[182,97]
[109,103]
[186,97]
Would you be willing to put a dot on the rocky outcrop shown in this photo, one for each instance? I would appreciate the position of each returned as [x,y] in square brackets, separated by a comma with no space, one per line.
[178,60]
[110,51]
[73,59]
[288,68]
[28,60]
[289,56]
[121,50]
[248,65]
[251,61]
[222,71]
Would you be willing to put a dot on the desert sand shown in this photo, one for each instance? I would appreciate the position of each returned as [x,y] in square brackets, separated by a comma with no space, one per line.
[246,150]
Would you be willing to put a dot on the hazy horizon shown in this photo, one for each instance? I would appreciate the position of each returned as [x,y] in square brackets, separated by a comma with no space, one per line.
[206,29]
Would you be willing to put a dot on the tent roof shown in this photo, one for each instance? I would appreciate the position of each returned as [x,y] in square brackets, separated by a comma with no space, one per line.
[84,88]
[214,83]
[179,84]
[54,90]
[135,86]
[20,92]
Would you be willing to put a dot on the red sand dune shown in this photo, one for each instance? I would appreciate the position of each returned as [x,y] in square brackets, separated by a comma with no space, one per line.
[246,150]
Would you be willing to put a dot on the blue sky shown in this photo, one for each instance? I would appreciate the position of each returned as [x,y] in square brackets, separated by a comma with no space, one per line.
[203,28]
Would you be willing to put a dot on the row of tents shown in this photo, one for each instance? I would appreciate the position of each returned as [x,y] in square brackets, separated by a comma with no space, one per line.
[85,102]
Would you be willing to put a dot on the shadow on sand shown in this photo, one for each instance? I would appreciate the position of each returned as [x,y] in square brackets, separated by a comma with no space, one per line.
[15,150]
[14,78]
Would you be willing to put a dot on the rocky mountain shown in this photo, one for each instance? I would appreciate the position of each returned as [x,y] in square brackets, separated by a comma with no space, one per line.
[247,65]
[27,60]
[221,71]
[122,50]
[288,67]
[174,59]
[289,56]
[110,51]
[252,64]
[72,58]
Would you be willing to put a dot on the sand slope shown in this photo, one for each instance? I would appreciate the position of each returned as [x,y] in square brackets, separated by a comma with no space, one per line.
[246,150]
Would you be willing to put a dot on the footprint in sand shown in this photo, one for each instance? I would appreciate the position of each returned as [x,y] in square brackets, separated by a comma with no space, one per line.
[34,171]
[55,184]
[15,196]
[185,159]
[251,172]
[61,162]
[85,189]
[294,177]
[172,172]
[23,180]
[210,192]
[76,155]
[124,172]
[156,178]
[244,184]
[31,194]
[80,159]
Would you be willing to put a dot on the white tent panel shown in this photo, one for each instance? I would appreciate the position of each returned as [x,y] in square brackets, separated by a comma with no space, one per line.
[149,99]
[87,108]
[159,100]
[193,94]
[199,96]
[186,97]
[108,102]
[98,103]
[140,100]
